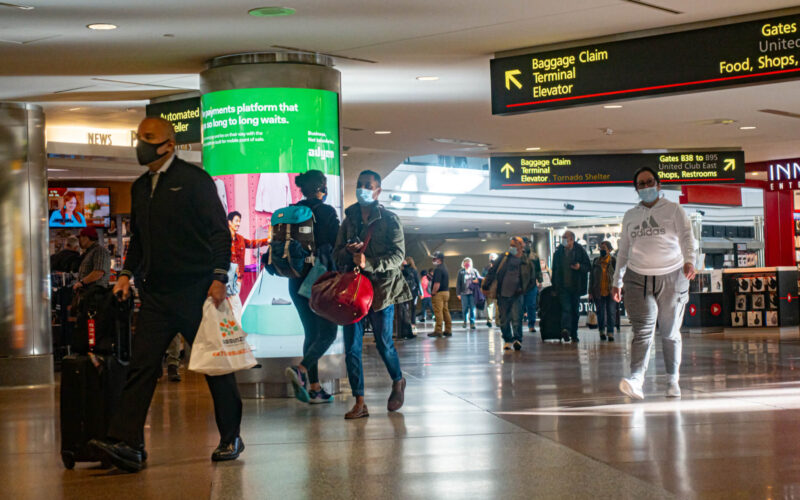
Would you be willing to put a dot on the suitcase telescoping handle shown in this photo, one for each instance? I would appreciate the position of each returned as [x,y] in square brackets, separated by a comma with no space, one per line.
[123,330]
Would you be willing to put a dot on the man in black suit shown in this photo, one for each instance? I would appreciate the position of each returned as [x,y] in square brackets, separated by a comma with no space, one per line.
[180,250]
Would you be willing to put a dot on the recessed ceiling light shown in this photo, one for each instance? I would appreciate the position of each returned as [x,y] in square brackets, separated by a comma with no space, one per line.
[465,229]
[383,132]
[507,223]
[57,170]
[726,121]
[532,149]
[74,109]
[748,127]
[427,78]
[102,26]
[344,154]
[271,11]
[483,239]
[416,229]
[612,106]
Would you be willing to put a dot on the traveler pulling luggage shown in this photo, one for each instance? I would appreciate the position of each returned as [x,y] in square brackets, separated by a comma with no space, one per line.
[92,379]
[550,315]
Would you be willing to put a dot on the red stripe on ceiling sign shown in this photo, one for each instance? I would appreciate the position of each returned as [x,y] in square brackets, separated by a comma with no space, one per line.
[583,183]
[656,87]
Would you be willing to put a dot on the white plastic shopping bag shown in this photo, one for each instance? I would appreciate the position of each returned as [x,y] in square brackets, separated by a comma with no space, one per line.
[220,346]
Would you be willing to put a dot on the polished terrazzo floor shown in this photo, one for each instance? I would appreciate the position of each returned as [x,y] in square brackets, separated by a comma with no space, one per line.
[546,422]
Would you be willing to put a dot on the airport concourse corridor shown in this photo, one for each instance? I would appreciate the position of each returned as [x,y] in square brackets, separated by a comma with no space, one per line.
[545,422]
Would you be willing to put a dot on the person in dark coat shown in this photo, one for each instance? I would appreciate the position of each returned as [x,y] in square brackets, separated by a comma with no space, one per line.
[408,310]
[180,249]
[69,259]
[571,267]
[319,332]
[601,283]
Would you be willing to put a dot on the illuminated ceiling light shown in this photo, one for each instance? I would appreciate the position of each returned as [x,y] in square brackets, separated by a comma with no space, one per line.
[271,11]
[726,121]
[612,106]
[17,6]
[74,109]
[483,239]
[416,229]
[460,142]
[383,132]
[465,229]
[748,127]
[101,26]
[344,154]
[427,78]
[532,149]
[508,223]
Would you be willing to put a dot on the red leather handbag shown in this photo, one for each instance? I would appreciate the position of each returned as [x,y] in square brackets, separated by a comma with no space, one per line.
[343,298]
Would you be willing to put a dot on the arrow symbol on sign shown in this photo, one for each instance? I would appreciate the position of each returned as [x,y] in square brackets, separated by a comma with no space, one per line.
[730,164]
[507,169]
[510,78]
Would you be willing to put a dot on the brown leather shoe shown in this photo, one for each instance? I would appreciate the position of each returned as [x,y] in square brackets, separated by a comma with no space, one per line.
[396,398]
[358,411]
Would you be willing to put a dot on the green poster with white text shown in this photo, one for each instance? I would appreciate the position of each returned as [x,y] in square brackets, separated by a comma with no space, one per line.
[249,131]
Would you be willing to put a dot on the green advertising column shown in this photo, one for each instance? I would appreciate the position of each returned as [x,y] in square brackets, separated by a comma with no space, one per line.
[267,117]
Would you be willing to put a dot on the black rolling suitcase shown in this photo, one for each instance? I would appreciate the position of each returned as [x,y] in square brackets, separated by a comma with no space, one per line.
[92,381]
[550,314]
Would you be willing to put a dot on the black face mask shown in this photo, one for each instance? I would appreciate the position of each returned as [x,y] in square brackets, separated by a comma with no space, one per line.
[146,153]
[603,253]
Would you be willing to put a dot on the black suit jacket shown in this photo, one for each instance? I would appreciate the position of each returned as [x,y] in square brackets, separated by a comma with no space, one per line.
[179,234]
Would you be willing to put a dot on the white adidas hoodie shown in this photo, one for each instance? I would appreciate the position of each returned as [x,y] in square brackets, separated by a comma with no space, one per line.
[654,241]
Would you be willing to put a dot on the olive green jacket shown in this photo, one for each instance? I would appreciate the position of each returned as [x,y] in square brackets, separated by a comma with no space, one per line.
[384,254]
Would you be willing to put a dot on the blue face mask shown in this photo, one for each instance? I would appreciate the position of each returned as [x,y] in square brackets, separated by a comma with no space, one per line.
[364,196]
[512,251]
[648,195]
[324,197]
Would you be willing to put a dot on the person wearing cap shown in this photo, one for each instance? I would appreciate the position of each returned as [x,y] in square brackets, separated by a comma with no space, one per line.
[440,294]
[96,263]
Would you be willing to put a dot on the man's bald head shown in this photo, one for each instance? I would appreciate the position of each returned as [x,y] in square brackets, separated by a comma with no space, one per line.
[159,128]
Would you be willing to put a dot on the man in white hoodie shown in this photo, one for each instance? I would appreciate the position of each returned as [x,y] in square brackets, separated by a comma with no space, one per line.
[654,265]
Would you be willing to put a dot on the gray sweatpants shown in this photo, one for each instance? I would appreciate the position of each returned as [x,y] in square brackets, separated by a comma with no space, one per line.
[656,301]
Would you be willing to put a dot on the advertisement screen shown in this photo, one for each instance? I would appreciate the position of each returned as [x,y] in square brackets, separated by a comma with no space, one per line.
[79,207]
[287,130]
[256,142]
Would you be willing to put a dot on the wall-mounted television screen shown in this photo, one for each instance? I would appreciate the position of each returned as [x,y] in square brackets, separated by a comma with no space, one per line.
[79,207]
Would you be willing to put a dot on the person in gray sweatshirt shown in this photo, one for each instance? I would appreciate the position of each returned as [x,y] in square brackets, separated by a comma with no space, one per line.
[654,265]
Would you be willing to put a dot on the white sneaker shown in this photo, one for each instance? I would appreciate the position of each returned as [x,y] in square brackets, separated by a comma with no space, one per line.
[673,390]
[507,346]
[631,388]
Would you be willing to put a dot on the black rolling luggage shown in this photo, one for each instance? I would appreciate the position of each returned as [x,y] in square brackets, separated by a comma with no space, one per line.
[550,314]
[92,382]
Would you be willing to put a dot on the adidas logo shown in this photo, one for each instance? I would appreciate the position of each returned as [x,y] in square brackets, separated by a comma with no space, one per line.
[648,228]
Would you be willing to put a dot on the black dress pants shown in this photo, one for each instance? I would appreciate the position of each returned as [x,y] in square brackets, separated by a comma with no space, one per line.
[164,314]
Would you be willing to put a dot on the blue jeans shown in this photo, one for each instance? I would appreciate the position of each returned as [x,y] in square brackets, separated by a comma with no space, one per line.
[530,306]
[427,305]
[319,332]
[510,317]
[382,323]
[468,307]
[570,301]
[606,313]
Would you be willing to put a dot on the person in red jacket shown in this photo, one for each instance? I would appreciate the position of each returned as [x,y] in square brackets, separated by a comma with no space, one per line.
[239,243]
